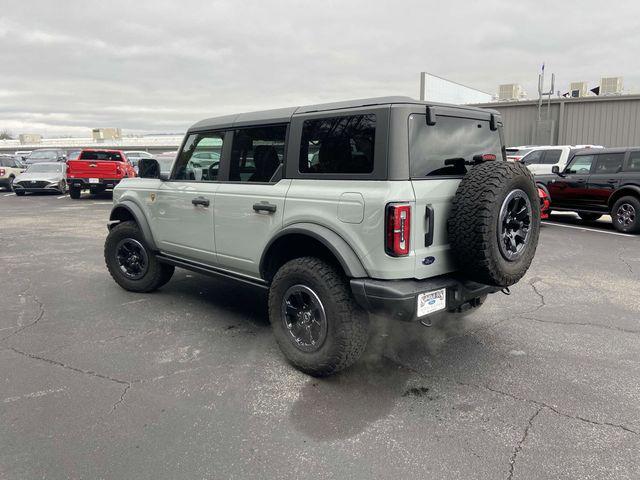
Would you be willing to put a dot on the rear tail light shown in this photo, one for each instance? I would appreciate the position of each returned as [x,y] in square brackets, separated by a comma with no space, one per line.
[397,229]
[118,172]
[488,157]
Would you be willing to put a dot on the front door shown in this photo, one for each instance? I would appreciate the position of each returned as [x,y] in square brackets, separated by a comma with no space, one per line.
[570,189]
[604,179]
[183,210]
[249,206]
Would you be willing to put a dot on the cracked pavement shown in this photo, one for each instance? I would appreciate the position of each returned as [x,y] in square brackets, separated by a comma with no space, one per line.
[96,382]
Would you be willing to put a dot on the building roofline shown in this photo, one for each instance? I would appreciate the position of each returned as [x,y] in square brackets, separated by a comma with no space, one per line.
[599,98]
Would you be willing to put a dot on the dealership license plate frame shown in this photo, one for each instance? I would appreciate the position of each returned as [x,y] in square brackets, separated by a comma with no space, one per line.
[431,302]
[94,180]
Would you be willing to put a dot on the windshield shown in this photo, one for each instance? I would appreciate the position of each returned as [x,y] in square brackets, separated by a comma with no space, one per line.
[42,168]
[520,152]
[449,146]
[44,155]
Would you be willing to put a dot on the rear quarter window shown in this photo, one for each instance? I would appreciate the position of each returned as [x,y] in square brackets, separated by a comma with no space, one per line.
[444,148]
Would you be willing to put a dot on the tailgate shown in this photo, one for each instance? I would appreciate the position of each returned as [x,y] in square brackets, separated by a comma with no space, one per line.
[92,169]
[433,204]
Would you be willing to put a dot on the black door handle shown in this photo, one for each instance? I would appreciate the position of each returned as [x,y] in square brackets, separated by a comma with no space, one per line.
[200,201]
[264,207]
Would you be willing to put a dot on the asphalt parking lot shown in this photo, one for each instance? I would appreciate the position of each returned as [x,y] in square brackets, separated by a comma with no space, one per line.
[187,382]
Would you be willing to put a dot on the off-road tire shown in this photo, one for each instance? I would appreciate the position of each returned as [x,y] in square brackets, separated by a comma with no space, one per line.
[157,274]
[75,192]
[588,216]
[347,323]
[634,227]
[473,223]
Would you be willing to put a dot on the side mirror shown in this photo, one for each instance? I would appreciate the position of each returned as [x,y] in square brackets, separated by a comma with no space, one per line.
[555,169]
[148,168]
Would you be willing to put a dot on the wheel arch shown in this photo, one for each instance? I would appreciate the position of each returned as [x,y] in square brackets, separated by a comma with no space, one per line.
[623,191]
[130,211]
[318,241]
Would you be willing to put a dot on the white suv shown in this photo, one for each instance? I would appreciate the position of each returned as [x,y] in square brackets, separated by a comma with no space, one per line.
[540,160]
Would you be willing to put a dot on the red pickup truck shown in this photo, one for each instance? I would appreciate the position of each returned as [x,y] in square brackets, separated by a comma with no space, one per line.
[97,170]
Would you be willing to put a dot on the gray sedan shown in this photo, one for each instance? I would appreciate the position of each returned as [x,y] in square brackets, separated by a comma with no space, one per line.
[42,177]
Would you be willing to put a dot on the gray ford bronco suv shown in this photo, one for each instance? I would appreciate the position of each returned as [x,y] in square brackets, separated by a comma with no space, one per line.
[388,206]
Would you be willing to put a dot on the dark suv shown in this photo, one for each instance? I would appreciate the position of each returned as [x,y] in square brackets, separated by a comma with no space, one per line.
[596,183]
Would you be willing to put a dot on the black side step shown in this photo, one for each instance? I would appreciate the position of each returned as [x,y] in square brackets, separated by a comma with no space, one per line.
[210,271]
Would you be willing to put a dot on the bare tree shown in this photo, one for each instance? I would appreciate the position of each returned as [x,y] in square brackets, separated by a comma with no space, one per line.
[6,135]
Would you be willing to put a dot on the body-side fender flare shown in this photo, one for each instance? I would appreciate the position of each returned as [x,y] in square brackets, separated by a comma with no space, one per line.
[622,191]
[345,255]
[139,217]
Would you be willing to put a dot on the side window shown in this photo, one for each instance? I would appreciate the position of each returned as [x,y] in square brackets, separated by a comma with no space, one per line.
[551,157]
[199,160]
[609,163]
[534,157]
[338,145]
[257,153]
[581,165]
[634,162]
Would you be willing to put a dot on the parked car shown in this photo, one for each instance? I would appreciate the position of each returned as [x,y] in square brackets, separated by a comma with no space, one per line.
[42,177]
[408,210]
[515,154]
[134,155]
[73,154]
[97,170]
[23,154]
[596,183]
[46,155]
[540,160]
[10,168]
[545,203]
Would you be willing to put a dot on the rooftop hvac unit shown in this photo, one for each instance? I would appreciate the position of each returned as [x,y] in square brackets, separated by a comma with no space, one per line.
[510,91]
[578,89]
[610,85]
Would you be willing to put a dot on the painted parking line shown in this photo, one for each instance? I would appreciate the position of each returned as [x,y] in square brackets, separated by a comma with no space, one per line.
[589,229]
[62,196]
[8,194]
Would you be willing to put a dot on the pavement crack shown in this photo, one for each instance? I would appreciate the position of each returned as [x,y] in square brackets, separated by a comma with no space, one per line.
[583,324]
[550,407]
[620,253]
[518,448]
[36,318]
[68,367]
[520,399]
[121,400]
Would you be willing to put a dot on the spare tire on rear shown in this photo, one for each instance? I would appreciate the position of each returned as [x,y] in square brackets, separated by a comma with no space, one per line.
[495,222]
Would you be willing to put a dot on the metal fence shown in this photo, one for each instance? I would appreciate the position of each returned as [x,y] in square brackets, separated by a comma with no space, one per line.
[612,121]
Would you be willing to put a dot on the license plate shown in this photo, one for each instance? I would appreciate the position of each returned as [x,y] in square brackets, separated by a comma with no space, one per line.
[94,180]
[430,302]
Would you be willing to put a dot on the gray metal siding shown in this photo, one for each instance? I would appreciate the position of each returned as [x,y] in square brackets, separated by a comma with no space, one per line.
[608,121]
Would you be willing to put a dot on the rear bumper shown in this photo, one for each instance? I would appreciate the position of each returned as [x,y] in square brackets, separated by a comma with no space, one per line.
[399,298]
[86,183]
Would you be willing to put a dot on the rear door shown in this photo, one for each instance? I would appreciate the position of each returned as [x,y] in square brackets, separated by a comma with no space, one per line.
[182,210]
[249,204]
[604,179]
[438,156]
[533,160]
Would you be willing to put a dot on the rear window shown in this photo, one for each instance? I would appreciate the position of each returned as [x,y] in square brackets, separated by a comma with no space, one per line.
[444,148]
[338,145]
[104,156]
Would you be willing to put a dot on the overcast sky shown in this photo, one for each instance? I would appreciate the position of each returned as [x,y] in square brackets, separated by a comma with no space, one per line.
[159,66]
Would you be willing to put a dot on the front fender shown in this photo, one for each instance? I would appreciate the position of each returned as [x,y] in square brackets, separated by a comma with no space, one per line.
[136,212]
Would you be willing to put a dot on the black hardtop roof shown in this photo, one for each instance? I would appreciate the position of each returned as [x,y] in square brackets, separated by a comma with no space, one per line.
[598,151]
[283,115]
